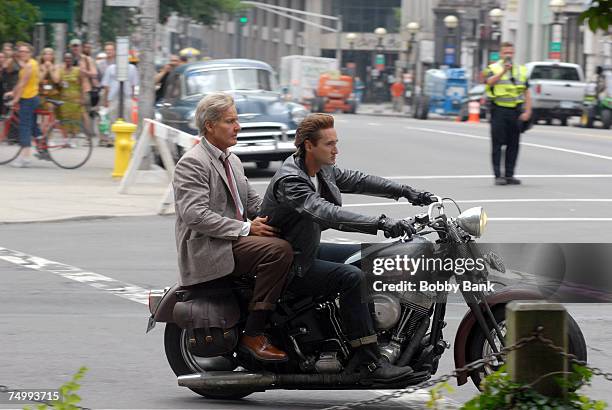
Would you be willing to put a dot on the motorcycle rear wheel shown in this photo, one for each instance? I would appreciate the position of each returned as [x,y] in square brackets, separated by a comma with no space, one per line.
[478,346]
[183,362]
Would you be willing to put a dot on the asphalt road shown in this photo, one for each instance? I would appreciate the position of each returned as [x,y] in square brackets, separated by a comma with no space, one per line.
[65,303]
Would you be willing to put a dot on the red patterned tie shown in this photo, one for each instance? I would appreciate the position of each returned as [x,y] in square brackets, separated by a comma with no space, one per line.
[230,181]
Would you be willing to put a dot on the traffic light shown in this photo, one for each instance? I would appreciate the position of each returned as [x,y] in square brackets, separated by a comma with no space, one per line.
[243,19]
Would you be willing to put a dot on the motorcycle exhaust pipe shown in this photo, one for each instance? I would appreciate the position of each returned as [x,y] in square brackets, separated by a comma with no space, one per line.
[414,343]
[223,380]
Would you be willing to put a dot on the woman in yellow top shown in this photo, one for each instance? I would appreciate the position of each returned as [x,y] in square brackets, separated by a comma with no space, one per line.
[25,94]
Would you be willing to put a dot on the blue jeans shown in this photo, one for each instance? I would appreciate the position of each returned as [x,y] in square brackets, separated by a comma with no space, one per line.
[328,276]
[27,120]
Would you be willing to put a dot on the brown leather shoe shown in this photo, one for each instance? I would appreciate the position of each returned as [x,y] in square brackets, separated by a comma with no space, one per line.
[260,348]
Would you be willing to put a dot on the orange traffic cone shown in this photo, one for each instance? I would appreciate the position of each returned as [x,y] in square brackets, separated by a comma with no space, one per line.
[473,111]
[134,113]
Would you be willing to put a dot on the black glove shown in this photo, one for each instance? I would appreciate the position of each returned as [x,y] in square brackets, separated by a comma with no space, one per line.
[418,198]
[395,227]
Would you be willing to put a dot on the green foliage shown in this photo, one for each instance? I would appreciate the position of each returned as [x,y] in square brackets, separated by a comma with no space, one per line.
[203,11]
[17,19]
[499,392]
[599,15]
[68,398]
[435,394]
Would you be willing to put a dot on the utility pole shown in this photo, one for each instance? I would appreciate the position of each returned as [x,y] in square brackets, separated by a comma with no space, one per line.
[92,15]
[148,24]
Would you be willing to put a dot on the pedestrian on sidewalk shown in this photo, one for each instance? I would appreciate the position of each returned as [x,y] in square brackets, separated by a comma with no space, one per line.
[358,89]
[161,78]
[10,71]
[91,70]
[397,92]
[72,112]
[49,77]
[111,85]
[508,90]
[25,94]
[88,70]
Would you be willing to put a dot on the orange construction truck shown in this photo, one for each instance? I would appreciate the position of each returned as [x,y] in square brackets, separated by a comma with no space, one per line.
[335,93]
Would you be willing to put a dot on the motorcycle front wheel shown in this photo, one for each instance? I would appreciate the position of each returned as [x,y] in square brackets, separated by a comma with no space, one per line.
[479,347]
[183,362]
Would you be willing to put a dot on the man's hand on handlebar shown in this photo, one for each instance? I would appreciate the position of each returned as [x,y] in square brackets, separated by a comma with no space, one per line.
[418,198]
[259,227]
[394,228]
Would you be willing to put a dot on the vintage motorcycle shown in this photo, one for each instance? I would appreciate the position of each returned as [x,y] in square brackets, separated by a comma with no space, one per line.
[409,323]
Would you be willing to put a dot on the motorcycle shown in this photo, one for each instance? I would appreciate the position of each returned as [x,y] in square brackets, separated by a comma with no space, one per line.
[409,324]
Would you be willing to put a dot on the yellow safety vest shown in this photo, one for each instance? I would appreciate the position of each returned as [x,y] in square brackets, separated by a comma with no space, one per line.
[505,92]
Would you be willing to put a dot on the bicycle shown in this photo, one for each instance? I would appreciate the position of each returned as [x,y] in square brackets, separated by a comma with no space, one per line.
[66,143]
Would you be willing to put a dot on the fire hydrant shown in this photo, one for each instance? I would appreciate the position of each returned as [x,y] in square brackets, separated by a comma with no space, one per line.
[123,146]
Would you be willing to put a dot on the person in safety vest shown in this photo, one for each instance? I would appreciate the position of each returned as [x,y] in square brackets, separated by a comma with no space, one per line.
[508,90]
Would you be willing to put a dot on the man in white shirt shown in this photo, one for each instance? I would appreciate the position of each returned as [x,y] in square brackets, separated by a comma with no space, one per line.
[111,86]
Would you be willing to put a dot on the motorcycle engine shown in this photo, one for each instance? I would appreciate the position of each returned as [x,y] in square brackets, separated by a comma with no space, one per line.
[387,310]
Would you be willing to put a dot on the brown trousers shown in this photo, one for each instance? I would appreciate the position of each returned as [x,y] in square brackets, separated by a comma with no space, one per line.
[269,259]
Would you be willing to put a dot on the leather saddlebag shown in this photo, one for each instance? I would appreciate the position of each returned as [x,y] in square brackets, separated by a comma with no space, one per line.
[210,318]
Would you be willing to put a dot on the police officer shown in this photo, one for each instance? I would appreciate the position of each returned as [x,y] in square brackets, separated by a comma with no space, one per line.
[508,90]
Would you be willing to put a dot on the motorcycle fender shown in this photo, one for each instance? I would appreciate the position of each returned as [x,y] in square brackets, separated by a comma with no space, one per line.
[164,310]
[468,322]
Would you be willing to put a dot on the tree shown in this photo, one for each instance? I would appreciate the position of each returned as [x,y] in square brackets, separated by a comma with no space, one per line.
[17,19]
[203,11]
[599,15]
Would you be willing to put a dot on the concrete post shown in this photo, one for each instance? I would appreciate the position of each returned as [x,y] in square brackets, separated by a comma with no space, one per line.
[534,361]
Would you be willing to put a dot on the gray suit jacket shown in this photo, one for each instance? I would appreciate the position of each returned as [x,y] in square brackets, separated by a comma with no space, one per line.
[206,221]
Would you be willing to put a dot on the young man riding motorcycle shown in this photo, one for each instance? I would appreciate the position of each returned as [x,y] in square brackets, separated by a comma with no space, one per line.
[304,198]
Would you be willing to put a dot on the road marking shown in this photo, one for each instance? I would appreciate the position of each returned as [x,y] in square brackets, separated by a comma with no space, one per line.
[96,280]
[375,124]
[483,201]
[521,219]
[487,176]
[527,144]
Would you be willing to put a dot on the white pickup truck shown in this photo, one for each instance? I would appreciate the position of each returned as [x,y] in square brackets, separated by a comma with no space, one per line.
[557,90]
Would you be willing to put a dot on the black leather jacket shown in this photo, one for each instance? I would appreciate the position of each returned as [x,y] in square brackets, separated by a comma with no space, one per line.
[292,204]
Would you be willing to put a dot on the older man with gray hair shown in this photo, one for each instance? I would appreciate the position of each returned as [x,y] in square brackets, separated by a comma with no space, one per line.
[219,230]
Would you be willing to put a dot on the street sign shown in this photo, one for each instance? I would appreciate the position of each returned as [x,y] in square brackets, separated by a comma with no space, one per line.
[380,62]
[449,55]
[123,3]
[123,49]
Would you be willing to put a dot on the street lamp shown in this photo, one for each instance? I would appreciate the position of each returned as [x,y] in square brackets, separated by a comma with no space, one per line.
[413,27]
[556,30]
[380,32]
[496,15]
[557,7]
[351,37]
[379,61]
[451,22]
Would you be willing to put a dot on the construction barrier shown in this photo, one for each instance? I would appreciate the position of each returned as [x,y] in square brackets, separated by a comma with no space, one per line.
[163,138]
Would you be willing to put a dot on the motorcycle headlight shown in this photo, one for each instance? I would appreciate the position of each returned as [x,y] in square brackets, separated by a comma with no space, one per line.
[473,221]
[298,114]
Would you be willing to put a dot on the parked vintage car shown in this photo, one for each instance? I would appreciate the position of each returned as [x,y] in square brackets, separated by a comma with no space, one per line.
[268,123]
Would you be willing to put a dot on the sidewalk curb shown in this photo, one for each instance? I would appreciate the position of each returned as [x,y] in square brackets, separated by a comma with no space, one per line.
[81,218]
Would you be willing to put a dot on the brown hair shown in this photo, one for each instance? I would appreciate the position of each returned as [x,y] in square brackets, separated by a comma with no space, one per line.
[506,44]
[309,130]
[24,44]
